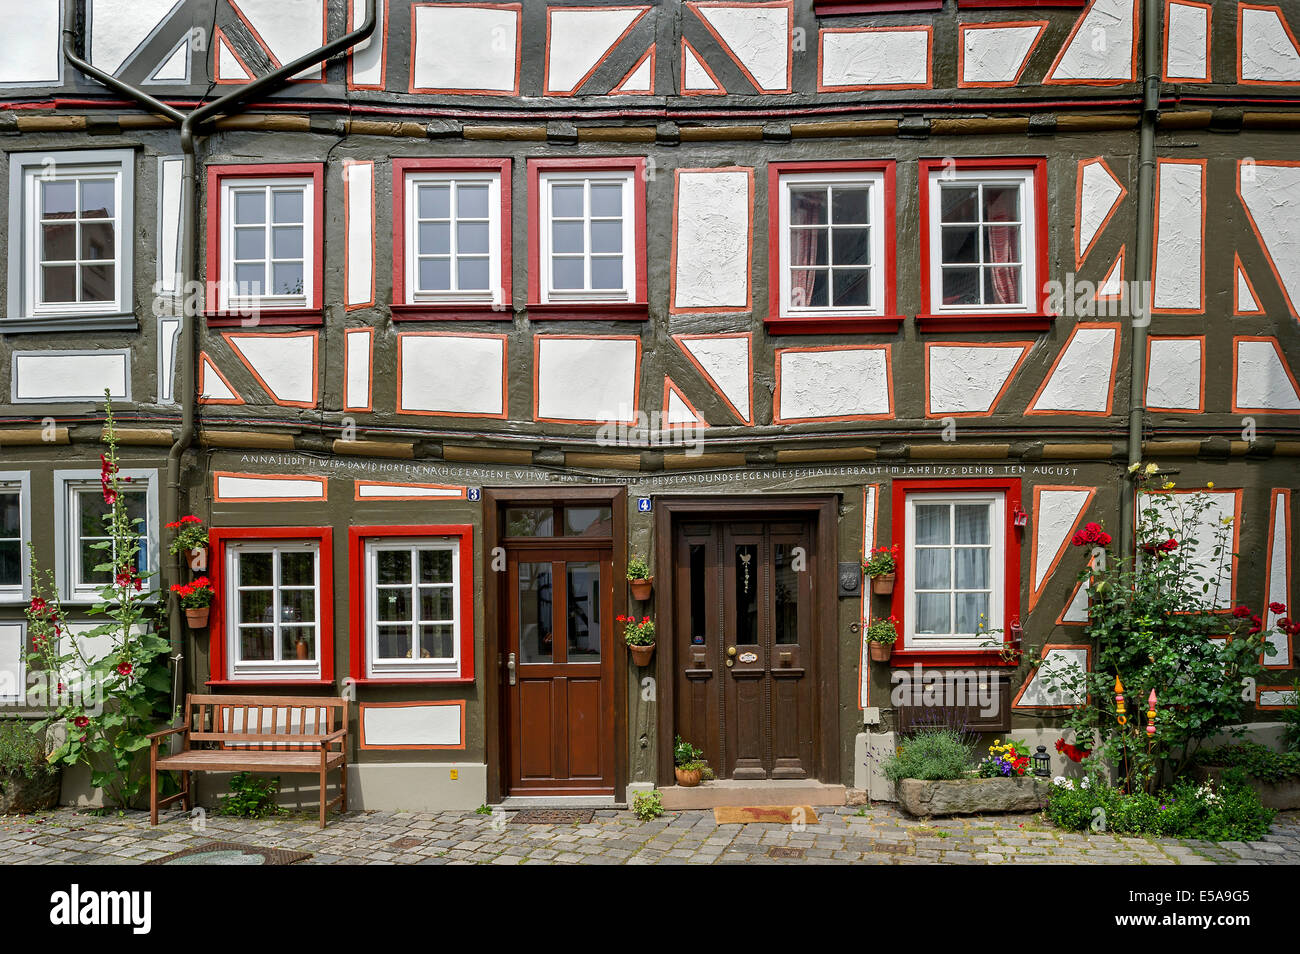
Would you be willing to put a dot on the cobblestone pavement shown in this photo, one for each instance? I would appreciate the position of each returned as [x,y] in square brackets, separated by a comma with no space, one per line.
[876,835]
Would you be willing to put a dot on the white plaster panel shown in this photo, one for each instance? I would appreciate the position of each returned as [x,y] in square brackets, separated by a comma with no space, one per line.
[169,224]
[287,364]
[875,58]
[1185,42]
[759,38]
[695,78]
[1262,379]
[581,38]
[234,487]
[586,379]
[360,178]
[412,725]
[1174,373]
[70,375]
[1099,193]
[13,669]
[1057,663]
[1112,286]
[851,381]
[1077,611]
[1180,253]
[1175,512]
[228,65]
[368,56]
[169,333]
[1267,54]
[996,54]
[1245,298]
[451,375]
[641,79]
[118,27]
[384,491]
[357,367]
[1272,196]
[969,379]
[677,411]
[214,387]
[31,48]
[1083,378]
[1279,576]
[464,47]
[1054,518]
[1102,47]
[726,361]
[1277,697]
[713,210]
[288,28]
[174,67]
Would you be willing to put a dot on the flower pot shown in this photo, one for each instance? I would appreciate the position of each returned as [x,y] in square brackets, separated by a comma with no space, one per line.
[880,652]
[687,778]
[883,584]
[641,588]
[197,617]
[199,559]
[641,655]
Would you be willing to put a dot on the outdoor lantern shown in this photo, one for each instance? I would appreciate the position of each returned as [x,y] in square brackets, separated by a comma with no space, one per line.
[1019,517]
[1042,762]
[1017,633]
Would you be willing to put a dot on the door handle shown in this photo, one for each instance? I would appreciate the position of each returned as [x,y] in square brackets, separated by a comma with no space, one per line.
[510,668]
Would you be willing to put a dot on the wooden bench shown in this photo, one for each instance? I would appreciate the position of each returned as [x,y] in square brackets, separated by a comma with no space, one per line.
[291,734]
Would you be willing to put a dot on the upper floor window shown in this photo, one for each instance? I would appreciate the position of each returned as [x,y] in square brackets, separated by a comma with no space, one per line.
[452,218]
[72,212]
[264,239]
[985,242]
[87,557]
[15,531]
[590,245]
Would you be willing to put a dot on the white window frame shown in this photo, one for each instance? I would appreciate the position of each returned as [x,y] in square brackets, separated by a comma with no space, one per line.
[67,483]
[1026,180]
[876,211]
[27,172]
[20,481]
[227,298]
[627,178]
[416,178]
[377,668]
[998,569]
[261,669]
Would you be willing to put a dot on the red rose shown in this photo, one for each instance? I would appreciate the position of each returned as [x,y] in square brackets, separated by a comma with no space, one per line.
[1276,608]
[1241,612]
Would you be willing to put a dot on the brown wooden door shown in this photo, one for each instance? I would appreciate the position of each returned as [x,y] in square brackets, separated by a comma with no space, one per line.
[744,643]
[559,692]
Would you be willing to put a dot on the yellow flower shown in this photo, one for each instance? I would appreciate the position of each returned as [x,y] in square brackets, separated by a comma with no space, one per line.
[1210,484]
[1150,469]
[1169,485]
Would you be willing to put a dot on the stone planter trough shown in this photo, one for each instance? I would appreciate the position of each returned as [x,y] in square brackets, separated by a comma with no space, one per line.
[20,795]
[971,796]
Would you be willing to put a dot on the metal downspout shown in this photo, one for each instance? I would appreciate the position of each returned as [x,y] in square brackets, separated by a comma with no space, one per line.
[190,124]
[1142,260]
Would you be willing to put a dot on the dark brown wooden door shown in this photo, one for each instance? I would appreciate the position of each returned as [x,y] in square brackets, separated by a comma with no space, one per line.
[743,626]
[559,690]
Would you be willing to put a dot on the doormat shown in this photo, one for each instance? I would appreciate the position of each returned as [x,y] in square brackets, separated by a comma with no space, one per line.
[552,816]
[231,853]
[778,814]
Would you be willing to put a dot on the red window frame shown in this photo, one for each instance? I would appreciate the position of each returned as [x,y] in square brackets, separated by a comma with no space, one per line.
[886,323]
[1036,318]
[449,311]
[357,537]
[830,8]
[315,313]
[636,310]
[218,538]
[902,489]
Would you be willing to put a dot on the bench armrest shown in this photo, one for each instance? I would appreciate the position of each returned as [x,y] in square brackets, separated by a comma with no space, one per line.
[155,736]
[333,736]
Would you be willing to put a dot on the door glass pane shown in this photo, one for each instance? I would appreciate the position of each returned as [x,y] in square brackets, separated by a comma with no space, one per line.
[746,594]
[699,628]
[588,521]
[786,582]
[536,622]
[530,522]
[583,586]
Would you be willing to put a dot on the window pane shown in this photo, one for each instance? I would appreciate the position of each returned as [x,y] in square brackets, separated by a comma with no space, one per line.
[566,200]
[249,279]
[849,205]
[607,236]
[809,288]
[1002,203]
[851,246]
[809,247]
[58,200]
[566,237]
[472,238]
[60,243]
[435,566]
[91,555]
[256,644]
[11,571]
[255,569]
[435,238]
[530,522]
[298,606]
[958,203]
[972,568]
[472,201]
[972,523]
[394,642]
[394,566]
[583,588]
[853,287]
[297,642]
[1002,243]
[287,278]
[566,273]
[472,274]
[250,243]
[932,524]
[437,641]
[10,514]
[960,244]
[437,604]
[932,569]
[92,509]
[786,622]
[298,568]
[256,606]
[97,199]
[1002,285]
[535,620]
[588,521]
[933,613]
[60,283]
[393,606]
[286,206]
[972,611]
[434,202]
[287,242]
[97,282]
[607,272]
[808,205]
[435,274]
[606,199]
[961,286]
[250,208]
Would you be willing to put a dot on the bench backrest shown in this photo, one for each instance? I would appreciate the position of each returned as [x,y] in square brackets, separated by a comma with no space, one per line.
[264,722]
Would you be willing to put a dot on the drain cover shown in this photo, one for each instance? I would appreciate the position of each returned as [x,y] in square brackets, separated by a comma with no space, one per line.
[776,852]
[401,844]
[552,816]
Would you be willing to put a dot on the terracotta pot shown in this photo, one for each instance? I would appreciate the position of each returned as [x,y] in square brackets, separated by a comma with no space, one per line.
[880,652]
[687,779]
[199,559]
[641,655]
[641,588]
[197,618]
[301,649]
[882,585]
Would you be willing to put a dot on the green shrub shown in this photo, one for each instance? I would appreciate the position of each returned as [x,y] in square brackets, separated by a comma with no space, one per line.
[932,755]
[1255,760]
[22,750]
[251,797]
[1229,811]
[648,806]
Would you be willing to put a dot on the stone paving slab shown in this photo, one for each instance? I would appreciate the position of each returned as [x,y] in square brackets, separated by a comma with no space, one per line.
[880,834]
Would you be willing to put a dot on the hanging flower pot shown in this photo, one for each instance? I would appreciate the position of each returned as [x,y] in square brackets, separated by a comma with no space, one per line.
[880,652]
[197,617]
[641,589]
[199,559]
[196,599]
[641,655]
[882,585]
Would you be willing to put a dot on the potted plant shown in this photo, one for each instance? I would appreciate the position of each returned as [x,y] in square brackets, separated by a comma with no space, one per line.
[881,636]
[191,537]
[881,566]
[640,637]
[28,781]
[196,600]
[687,764]
[639,578]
